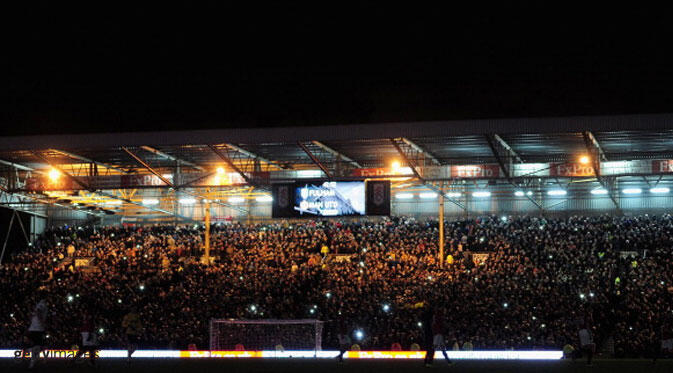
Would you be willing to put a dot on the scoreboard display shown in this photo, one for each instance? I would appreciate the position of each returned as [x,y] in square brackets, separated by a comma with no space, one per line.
[331,198]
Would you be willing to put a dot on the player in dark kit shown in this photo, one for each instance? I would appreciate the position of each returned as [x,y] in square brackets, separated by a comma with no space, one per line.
[434,329]
[89,339]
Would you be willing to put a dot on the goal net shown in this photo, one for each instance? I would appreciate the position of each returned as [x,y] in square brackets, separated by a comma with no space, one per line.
[261,335]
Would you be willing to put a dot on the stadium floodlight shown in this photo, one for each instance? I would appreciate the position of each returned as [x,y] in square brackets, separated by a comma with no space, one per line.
[584,159]
[632,191]
[396,166]
[404,195]
[453,194]
[599,191]
[115,202]
[519,193]
[481,194]
[220,170]
[428,195]
[54,174]
[557,192]
[187,201]
[236,199]
[265,198]
[659,190]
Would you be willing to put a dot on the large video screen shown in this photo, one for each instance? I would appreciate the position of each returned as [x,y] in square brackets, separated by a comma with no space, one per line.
[330,198]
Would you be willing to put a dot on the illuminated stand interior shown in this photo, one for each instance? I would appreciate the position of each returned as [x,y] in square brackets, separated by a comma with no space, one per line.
[174,354]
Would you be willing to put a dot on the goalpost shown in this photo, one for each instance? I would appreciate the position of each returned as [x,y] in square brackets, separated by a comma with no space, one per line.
[268,334]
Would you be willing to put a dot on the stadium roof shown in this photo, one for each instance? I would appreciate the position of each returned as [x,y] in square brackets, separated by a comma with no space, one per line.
[255,158]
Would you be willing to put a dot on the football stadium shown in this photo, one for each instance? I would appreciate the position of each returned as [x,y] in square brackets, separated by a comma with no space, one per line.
[193,187]
[519,244]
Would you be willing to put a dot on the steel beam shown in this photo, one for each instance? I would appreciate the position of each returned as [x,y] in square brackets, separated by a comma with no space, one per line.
[413,167]
[16,165]
[315,159]
[171,157]
[337,154]
[60,170]
[594,149]
[506,165]
[255,156]
[85,159]
[230,163]
[421,150]
[148,167]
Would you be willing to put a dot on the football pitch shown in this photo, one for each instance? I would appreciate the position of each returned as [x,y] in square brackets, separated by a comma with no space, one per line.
[329,366]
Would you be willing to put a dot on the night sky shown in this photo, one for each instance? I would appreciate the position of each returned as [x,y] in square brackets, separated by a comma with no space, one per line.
[114,69]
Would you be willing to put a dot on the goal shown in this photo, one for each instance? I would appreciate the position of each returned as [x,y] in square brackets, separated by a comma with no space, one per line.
[268,334]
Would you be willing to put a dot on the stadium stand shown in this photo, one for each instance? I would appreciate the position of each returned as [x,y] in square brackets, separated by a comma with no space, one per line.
[521,282]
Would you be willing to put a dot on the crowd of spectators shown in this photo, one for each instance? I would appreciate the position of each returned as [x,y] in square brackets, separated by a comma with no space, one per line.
[541,281]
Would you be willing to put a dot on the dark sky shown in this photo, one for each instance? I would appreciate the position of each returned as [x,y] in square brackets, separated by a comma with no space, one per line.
[119,69]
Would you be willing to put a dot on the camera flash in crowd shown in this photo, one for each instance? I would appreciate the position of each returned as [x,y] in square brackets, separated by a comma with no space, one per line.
[70,298]
[141,287]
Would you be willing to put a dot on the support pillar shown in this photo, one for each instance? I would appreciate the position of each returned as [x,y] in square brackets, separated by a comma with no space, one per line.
[441,228]
[207,238]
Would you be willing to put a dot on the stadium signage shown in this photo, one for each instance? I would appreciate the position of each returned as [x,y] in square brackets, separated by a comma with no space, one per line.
[476,171]
[664,166]
[571,169]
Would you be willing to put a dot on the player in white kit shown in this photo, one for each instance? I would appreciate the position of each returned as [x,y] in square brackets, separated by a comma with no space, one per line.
[37,330]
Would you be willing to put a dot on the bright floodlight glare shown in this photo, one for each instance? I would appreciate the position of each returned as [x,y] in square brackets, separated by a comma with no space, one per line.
[264,199]
[557,192]
[187,201]
[386,307]
[428,195]
[236,199]
[529,193]
[359,334]
[453,194]
[220,171]
[599,191]
[54,174]
[404,196]
[584,159]
[396,166]
[481,194]
[504,218]
[518,193]
[659,190]
[632,191]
